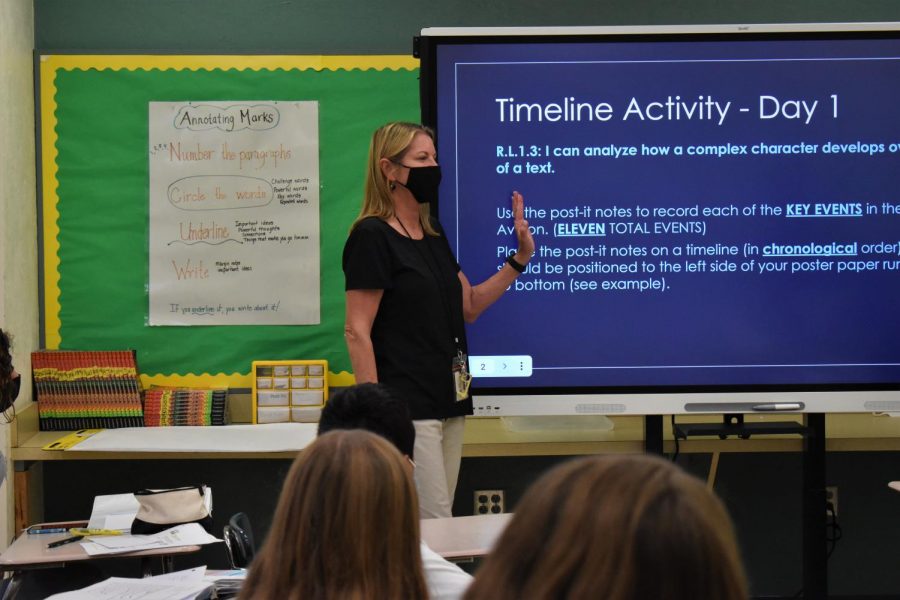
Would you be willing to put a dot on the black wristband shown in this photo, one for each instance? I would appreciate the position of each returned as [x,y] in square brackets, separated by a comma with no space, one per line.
[514,263]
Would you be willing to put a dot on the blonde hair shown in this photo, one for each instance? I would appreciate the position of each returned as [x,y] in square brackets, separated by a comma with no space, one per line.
[617,528]
[389,141]
[346,526]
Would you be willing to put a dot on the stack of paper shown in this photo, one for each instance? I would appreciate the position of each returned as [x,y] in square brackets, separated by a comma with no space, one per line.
[183,585]
[189,534]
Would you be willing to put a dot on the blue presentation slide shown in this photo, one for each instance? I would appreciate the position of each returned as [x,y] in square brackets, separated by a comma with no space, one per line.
[706,213]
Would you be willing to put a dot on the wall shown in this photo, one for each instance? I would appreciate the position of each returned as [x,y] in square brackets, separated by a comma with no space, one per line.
[18,247]
[371,27]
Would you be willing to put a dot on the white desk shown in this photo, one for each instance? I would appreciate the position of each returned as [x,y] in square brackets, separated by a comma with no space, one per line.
[458,538]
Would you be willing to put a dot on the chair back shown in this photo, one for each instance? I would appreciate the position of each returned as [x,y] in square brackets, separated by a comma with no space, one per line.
[239,542]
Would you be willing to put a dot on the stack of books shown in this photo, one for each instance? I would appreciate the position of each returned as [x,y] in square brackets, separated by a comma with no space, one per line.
[86,389]
[184,406]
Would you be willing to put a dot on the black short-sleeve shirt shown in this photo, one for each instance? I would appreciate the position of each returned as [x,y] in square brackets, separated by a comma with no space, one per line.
[419,327]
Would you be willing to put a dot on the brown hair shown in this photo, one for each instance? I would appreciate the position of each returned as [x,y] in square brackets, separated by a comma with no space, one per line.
[389,141]
[346,526]
[617,528]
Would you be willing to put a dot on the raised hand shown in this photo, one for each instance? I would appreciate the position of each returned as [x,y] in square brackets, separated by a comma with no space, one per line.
[523,233]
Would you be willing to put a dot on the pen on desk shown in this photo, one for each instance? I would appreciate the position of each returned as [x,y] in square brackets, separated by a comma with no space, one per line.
[779,406]
[64,541]
[37,530]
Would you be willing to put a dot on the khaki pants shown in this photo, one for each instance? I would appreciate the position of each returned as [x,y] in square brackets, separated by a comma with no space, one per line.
[438,452]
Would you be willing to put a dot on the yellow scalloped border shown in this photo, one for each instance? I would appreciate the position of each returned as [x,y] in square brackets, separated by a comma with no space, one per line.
[236,380]
[50,64]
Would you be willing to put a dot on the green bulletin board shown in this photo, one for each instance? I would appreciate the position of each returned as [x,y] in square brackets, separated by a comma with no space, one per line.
[95,180]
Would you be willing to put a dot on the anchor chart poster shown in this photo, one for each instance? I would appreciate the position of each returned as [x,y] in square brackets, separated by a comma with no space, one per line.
[234,213]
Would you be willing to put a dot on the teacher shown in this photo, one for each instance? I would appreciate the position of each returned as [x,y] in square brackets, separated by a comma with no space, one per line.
[407,300]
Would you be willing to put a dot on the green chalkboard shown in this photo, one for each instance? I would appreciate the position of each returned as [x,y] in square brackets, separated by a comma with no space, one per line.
[99,256]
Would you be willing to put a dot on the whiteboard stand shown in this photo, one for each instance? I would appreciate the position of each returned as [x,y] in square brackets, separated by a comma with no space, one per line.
[653,434]
[733,424]
[814,512]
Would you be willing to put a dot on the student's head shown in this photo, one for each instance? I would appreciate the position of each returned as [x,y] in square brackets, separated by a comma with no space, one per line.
[372,407]
[346,526]
[618,528]
[389,149]
[6,366]
[10,381]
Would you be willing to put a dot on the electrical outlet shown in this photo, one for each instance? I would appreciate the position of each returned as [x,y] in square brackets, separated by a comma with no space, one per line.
[831,497]
[489,502]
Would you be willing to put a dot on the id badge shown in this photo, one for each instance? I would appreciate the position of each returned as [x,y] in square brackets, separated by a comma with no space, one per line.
[462,379]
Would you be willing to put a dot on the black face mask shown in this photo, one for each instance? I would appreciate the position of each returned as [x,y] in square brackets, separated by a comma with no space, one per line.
[423,183]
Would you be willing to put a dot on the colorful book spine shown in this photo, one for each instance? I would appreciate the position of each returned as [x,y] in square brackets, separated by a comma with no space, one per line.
[87,389]
[167,407]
